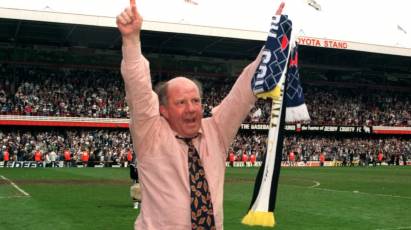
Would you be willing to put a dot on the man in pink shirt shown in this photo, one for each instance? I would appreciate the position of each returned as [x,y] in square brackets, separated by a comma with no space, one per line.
[176,111]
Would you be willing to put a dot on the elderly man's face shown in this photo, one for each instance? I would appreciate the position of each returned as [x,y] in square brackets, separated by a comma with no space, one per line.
[183,110]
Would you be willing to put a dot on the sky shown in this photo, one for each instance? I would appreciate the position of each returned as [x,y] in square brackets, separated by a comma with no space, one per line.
[366,21]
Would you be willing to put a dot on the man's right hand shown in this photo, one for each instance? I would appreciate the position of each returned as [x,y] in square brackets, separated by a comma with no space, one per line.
[129,23]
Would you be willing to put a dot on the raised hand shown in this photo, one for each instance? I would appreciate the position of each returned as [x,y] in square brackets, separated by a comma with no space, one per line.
[129,22]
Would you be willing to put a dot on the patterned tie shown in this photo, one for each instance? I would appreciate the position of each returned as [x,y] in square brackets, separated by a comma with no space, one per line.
[201,207]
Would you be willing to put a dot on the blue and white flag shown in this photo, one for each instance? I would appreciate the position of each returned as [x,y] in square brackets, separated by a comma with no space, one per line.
[277,79]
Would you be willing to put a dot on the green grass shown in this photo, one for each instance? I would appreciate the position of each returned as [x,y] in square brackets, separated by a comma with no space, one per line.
[308,198]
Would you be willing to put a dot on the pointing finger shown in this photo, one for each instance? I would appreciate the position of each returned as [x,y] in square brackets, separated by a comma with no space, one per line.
[133,8]
[279,10]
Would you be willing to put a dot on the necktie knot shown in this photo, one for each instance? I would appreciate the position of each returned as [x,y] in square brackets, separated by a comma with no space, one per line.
[187,140]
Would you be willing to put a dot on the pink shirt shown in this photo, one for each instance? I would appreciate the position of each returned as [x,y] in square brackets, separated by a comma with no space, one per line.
[162,158]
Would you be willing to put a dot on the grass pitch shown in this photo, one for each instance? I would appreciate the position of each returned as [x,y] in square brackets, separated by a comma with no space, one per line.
[308,198]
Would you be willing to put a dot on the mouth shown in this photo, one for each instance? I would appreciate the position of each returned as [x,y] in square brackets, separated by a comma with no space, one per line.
[190,120]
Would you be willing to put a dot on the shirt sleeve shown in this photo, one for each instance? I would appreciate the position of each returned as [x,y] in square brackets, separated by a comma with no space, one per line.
[141,99]
[231,112]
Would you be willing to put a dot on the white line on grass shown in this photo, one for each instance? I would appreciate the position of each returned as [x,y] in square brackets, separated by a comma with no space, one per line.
[398,228]
[364,193]
[10,197]
[15,186]
[317,184]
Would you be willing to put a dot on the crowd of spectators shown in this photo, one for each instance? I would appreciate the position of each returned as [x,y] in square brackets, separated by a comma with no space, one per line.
[342,149]
[70,89]
[108,145]
[103,145]
[358,106]
[249,143]
[99,93]
[62,92]
[347,149]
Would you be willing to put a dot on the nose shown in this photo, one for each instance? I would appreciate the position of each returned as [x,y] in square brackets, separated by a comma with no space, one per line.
[191,107]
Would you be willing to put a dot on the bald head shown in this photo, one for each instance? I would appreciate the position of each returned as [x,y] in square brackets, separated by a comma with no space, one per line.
[180,105]
[179,83]
[162,88]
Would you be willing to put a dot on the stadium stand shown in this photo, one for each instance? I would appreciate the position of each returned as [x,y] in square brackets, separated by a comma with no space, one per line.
[70,78]
[38,91]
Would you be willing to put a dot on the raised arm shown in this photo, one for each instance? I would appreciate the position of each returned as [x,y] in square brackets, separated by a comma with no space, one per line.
[141,99]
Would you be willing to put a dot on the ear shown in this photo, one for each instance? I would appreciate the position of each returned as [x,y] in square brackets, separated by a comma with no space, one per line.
[163,111]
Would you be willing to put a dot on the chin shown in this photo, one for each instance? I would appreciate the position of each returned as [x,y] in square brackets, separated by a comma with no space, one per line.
[192,132]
